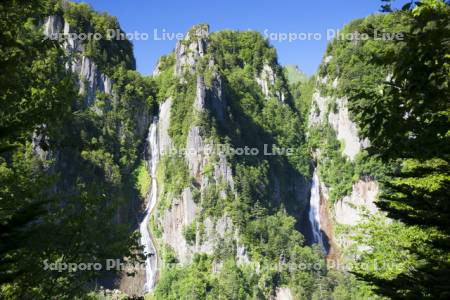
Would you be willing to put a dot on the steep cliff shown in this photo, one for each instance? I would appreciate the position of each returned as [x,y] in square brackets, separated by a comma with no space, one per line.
[220,210]
[99,145]
[347,174]
[329,117]
[228,167]
[222,175]
[382,89]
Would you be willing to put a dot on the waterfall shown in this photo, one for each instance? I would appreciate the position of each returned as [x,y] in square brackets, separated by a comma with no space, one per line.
[146,240]
[314,210]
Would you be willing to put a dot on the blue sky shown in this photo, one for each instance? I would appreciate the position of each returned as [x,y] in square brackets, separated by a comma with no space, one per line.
[267,17]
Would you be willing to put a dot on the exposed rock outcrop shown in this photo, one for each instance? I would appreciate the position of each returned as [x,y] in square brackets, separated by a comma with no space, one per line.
[283,293]
[266,80]
[333,111]
[199,157]
[189,50]
[346,130]
[180,215]
[362,199]
[164,141]
[91,79]
[53,26]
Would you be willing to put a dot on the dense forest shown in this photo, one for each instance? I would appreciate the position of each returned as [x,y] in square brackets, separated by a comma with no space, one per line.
[88,171]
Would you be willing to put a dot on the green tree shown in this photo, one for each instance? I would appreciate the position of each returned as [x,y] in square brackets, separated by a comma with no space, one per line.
[35,95]
[408,125]
[61,208]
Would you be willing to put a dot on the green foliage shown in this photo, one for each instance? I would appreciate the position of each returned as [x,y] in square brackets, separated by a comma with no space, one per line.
[67,217]
[234,282]
[336,171]
[349,59]
[154,228]
[251,185]
[165,80]
[169,256]
[192,282]
[26,250]
[269,233]
[96,167]
[257,121]
[182,113]
[302,93]
[35,86]
[106,52]
[142,179]
[236,49]
[213,204]
[423,113]
[294,75]
[190,232]
[173,177]
[272,236]
[381,247]
[405,116]
[103,161]
[350,65]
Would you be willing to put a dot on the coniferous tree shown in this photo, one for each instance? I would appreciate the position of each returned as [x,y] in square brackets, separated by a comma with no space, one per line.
[408,125]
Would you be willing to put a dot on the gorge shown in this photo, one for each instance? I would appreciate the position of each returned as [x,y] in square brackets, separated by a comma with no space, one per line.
[224,174]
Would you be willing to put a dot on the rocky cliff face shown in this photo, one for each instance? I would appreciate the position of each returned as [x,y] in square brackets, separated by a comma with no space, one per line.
[266,80]
[362,199]
[183,209]
[186,176]
[200,200]
[210,171]
[334,111]
[91,80]
[330,110]
[98,135]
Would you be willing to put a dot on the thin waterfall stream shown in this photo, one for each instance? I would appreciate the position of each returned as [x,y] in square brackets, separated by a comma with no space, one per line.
[151,262]
[314,211]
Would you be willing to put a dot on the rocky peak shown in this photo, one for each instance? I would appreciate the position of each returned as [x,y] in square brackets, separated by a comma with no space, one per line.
[91,79]
[191,48]
[266,80]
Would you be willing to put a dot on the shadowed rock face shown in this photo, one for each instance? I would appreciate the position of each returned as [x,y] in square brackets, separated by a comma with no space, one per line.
[91,79]
[181,214]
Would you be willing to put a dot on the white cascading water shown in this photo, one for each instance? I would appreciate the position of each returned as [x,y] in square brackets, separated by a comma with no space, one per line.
[314,210]
[146,240]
